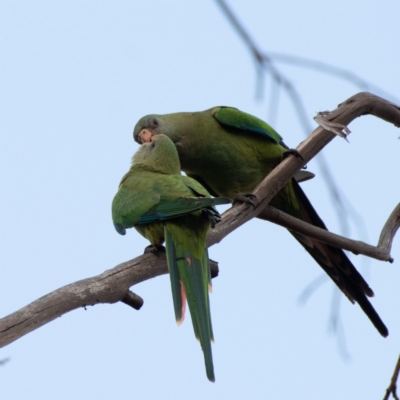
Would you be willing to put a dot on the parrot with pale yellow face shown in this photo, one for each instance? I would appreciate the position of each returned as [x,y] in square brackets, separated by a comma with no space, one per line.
[164,205]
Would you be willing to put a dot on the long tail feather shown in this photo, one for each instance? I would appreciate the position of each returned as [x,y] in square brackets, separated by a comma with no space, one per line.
[333,260]
[192,272]
[206,261]
[336,264]
[189,265]
[178,292]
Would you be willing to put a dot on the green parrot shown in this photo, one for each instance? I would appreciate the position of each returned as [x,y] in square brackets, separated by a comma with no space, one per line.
[230,152]
[163,205]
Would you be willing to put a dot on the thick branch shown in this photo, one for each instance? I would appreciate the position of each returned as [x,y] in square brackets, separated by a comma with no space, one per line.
[113,285]
[109,287]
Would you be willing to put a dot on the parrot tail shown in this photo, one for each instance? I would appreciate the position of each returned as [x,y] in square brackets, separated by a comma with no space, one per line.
[190,278]
[335,263]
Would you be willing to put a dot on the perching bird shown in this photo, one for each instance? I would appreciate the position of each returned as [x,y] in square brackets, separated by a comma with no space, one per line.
[162,204]
[230,152]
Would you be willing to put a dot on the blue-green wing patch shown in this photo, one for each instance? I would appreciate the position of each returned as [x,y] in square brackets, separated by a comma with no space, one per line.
[178,207]
[235,118]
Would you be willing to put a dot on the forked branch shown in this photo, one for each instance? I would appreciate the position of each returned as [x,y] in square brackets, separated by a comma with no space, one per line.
[360,104]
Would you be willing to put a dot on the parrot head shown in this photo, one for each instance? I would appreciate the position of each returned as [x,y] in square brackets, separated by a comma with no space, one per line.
[159,154]
[146,128]
[155,124]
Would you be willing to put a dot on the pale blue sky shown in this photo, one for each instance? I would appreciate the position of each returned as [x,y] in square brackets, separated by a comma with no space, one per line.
[75,78]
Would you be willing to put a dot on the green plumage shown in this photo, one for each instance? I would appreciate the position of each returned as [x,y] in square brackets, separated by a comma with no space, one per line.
[230,152]
[163,205]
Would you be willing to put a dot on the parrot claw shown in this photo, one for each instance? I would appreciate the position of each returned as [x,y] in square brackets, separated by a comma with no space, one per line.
[292,152]
[214,222]
[154,249]
[246,198]
[211,217]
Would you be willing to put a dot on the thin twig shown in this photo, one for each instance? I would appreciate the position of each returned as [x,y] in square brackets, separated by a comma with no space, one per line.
[392,389]
[355,246]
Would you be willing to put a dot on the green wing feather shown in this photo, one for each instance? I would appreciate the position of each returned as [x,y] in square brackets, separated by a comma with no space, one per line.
[129,205]
[143,199]
[195,186]
[235,118]
[180,206]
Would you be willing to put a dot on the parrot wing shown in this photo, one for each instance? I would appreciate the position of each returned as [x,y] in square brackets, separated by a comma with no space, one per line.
[129,206]
[179,207]
[234,118]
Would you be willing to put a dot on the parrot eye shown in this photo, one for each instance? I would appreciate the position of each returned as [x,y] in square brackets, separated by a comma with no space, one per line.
[153,144]
[155,121]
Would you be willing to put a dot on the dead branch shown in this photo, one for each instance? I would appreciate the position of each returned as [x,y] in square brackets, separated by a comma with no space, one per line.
[389,230]
[109,287]
[113,285]
[378,252]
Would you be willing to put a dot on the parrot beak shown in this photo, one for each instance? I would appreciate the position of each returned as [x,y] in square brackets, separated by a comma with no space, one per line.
[145,136]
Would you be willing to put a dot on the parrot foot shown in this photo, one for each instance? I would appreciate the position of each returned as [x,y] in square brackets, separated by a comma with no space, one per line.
[246,198]
[213,219]
[154,249]
[292,152]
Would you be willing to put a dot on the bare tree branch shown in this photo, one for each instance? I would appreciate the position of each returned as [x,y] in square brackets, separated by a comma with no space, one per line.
[379,252]
[357,105]
[109,287]
[113,285]
[392,389]
[389,230]
[266,64]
